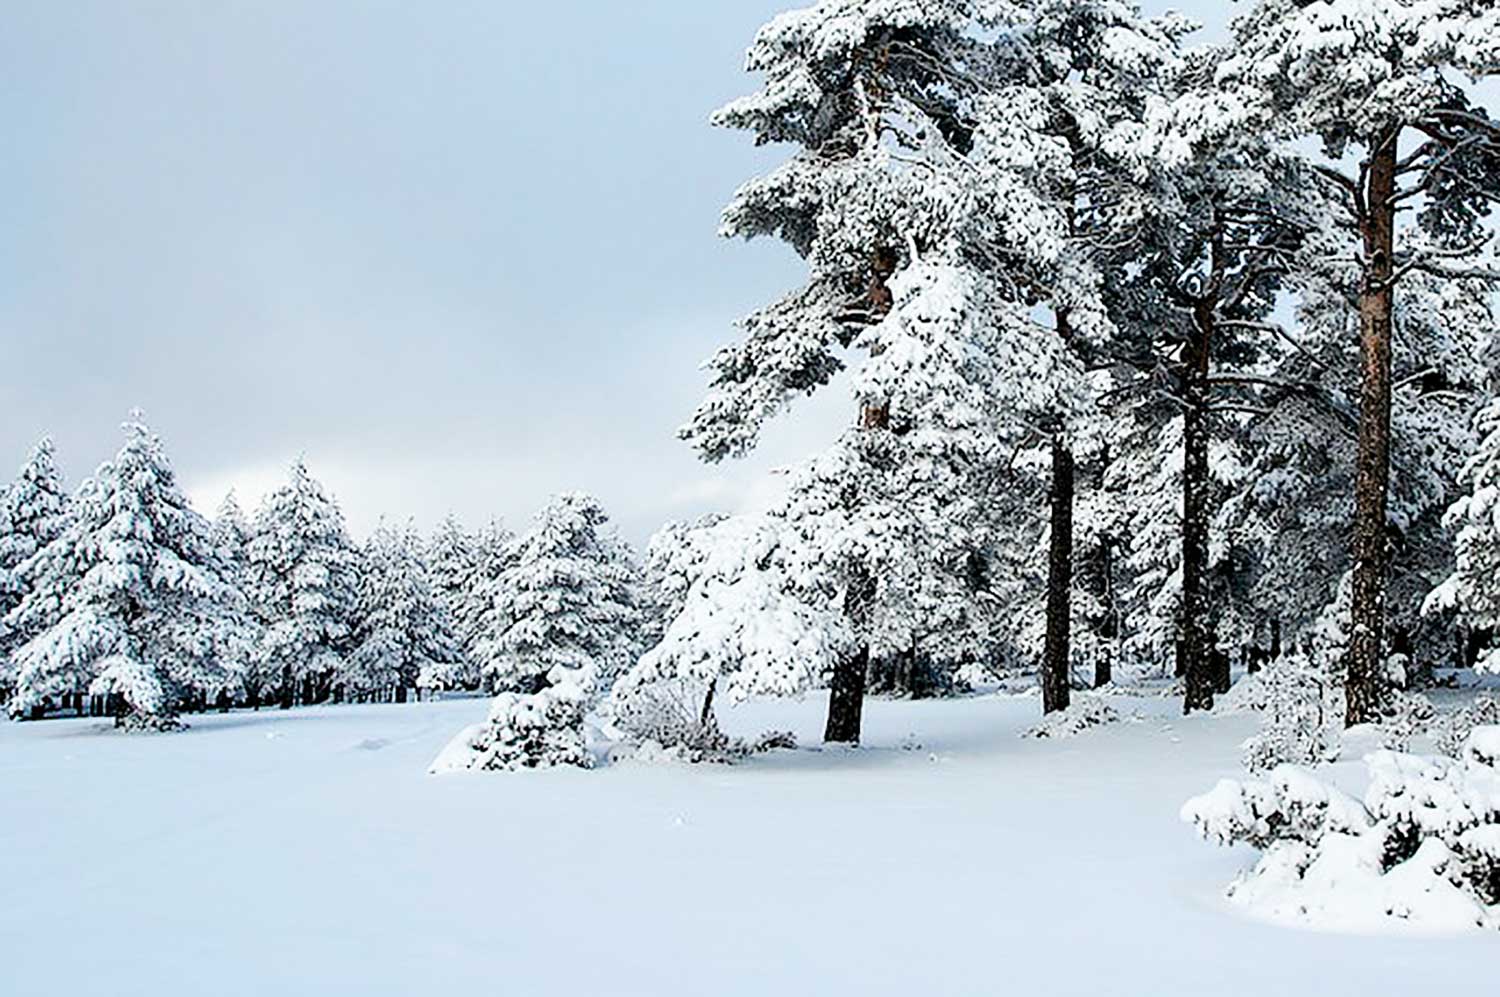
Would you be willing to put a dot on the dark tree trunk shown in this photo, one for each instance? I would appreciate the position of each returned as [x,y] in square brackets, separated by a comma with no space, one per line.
[1275,638]
[846,698]
[288,687]
[706,716]
[1194,622]
[1365,681]
[1056,657]
[1219,671]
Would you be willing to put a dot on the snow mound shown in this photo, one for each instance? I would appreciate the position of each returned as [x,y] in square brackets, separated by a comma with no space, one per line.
[1085,713]
[1420,854]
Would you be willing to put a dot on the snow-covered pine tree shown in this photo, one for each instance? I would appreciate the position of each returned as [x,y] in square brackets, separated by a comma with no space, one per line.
[231,537]
[304,577]
[1287,522]
[930,196]
[1224,213]
[463,567]
[1375,79]
[569,601]
[33,513]
[567,623]
[1088,70]
[141,592]
[1474,587]
[404,636]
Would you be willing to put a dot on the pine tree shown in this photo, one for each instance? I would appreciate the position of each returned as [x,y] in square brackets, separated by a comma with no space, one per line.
[1363,77]
[33,513]
[1473,589]
[932,196]
[140,591]
[304,576]
[231,537]
[463,568]
[566,623]
[568,603]
[404,637]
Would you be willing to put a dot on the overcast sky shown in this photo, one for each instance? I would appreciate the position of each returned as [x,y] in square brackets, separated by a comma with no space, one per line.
[461,255]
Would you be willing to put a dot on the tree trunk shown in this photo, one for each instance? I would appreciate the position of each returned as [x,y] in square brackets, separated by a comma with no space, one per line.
[846,697]
[705,718]
[1365,676]
[1057,655]
[1194,623]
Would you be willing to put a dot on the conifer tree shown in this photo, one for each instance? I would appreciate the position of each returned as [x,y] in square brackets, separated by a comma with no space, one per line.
[404,637]
[231,537]
[1375,81]
[140,592]
[568,602]
[304,583]
[566,623]
[33,513]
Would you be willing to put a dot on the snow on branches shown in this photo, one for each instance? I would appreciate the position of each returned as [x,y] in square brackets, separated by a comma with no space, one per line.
[1421,852]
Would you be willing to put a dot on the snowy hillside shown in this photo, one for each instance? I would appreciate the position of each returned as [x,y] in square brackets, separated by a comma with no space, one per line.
[307,852]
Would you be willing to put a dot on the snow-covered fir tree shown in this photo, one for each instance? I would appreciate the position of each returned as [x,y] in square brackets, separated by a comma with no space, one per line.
[141,595]
[304,577]
[33,513]
[404,636]
[567,623]
[463,568]
[1473,589]
[569,600]
[231,537]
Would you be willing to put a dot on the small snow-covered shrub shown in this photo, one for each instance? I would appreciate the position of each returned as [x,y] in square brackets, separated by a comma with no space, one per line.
[1422,848]
[1302,715]
[1084,713]
[533,730]
[667,711]
[1451,731]
[719,749]
[1409,715]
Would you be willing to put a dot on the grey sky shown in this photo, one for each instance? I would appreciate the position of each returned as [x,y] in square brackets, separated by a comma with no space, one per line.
[461,254]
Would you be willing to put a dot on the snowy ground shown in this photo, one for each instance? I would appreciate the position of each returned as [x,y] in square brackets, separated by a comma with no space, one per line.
[307,853]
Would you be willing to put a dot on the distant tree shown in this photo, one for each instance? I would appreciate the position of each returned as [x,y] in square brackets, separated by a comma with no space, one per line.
[566,622]
[1473,589]
[569,601]
[231,537]
[141,591]
[33,513]
[463,568]
[404,636]
[304,578]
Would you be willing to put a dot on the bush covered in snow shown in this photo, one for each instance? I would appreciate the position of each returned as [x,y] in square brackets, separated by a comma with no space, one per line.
[1302,714]
[523,731]
[1084,713]
[1450,731]
[1423,847]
